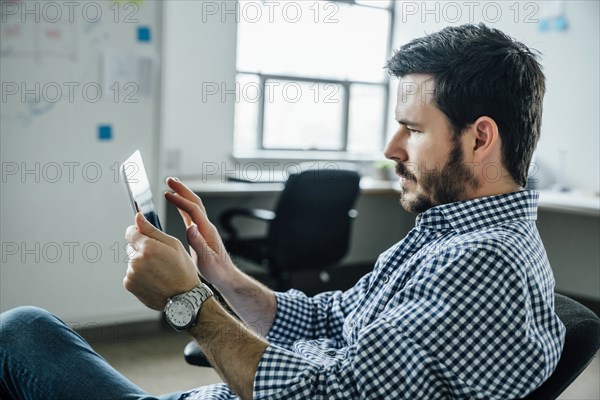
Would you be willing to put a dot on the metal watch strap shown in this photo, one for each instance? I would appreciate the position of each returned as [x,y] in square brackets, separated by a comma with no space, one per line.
[200,294]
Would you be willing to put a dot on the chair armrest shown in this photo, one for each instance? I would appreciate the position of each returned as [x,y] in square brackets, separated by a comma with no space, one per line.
[226,217]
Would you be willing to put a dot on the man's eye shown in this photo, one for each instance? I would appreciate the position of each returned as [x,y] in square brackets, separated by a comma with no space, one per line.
[406,127]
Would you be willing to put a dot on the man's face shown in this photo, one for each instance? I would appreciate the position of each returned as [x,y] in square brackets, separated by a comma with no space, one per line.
[428,156]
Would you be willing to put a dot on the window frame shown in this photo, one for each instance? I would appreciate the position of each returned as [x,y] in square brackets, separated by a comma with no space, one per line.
[345,84]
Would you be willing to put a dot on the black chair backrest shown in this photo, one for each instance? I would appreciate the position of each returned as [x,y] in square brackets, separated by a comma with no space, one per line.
[582,341]
[311,229]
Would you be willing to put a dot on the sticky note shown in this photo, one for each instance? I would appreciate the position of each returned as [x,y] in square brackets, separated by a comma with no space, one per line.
[143,34]
[560,23]
[104,132]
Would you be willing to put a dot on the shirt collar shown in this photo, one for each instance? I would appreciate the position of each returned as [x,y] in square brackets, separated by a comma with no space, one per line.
[481,212]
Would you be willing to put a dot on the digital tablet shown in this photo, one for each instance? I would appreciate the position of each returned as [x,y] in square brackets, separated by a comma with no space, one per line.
[138,188]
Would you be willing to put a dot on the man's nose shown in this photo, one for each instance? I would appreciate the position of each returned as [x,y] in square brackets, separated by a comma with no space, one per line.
[395,149]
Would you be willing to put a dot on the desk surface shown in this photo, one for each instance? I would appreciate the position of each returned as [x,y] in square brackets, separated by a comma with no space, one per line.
[568,202]
[218,188]
[571,202]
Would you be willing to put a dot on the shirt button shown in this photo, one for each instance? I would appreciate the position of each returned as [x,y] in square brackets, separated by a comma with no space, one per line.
[331,353]
[352,324]
[385,279]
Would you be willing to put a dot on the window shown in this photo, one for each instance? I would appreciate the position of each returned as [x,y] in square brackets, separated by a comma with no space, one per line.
[311,76]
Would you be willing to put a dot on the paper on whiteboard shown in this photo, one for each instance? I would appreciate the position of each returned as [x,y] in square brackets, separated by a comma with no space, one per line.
[129,73]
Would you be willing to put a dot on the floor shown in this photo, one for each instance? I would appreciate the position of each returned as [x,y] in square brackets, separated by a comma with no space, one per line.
[152,357]
[153,360]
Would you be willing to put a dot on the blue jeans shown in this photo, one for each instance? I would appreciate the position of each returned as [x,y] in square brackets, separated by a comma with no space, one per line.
[42,358]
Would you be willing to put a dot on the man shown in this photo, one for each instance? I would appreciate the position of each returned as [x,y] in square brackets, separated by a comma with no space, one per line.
[462,307]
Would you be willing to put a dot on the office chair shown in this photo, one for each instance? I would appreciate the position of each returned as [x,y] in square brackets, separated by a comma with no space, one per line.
[582,341]
[309,229]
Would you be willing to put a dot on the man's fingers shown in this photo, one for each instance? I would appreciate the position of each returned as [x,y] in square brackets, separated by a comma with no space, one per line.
[186,217]
[192,209]
[182,190]
[135,241]
[195,239]
[132,250]
[132,234]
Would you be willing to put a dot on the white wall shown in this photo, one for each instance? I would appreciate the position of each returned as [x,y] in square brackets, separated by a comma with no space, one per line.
[199,50]
[64,209]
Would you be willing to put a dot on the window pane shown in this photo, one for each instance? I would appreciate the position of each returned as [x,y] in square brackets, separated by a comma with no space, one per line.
[365,123]
[392,124]
[313,39]
[303,115]
[248,92]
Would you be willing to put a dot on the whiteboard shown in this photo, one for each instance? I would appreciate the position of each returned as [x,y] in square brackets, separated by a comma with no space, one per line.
[80,92]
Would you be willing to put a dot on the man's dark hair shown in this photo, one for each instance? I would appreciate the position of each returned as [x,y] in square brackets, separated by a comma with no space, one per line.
[480,71]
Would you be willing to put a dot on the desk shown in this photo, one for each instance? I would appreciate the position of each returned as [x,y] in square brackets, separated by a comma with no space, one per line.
[226,189]
[218,188]
[570,202]
[567,202]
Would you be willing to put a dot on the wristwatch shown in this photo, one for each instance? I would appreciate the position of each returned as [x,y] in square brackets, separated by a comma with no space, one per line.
[182,310]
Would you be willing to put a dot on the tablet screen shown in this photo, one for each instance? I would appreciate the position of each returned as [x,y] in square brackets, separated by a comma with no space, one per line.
[138,187]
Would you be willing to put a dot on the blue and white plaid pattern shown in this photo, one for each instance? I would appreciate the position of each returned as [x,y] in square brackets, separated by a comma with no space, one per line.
[460,308]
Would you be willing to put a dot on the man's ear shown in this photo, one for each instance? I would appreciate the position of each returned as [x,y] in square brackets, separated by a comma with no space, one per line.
[486,138]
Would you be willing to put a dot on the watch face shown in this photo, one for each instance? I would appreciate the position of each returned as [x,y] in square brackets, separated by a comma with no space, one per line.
[180,313]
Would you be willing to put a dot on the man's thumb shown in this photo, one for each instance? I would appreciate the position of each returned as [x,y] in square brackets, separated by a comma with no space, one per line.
[144,226]
[194,237]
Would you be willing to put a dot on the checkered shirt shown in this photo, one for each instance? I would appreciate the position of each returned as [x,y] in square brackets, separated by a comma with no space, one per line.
[461,308]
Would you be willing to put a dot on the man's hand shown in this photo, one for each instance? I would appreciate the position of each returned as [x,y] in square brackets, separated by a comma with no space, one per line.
[159,266]
[253,302]
[206,246]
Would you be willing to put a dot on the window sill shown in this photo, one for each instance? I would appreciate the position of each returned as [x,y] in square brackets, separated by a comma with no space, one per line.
[306,155]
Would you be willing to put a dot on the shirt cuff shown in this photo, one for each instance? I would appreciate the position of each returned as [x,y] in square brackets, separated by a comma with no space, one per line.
[294,310]
[280,369]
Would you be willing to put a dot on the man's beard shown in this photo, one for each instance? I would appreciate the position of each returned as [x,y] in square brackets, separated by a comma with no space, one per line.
[439,187]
